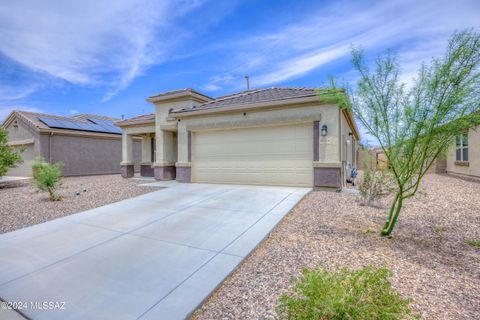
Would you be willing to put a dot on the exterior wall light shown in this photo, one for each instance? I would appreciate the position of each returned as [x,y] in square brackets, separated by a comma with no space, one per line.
[324,130]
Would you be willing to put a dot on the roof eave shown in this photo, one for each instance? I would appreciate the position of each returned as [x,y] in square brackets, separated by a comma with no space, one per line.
[187,95]
[237,107]
[127,123]
[352,124]
[78,133]
[21,117]
[8,119]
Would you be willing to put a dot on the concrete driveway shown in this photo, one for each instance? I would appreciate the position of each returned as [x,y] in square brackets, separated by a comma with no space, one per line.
[156,256]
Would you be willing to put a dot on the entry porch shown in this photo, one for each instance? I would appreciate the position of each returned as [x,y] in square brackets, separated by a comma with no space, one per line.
[159,151]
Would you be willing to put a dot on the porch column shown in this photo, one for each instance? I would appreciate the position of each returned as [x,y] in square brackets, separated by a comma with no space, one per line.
[146,169]
[126,166]
[164,167]
[184,170]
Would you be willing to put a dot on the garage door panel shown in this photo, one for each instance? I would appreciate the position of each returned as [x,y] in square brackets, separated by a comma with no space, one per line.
[279,155]
[263,150]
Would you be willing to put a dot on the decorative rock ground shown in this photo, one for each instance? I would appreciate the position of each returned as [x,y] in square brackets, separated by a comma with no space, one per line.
[429,256]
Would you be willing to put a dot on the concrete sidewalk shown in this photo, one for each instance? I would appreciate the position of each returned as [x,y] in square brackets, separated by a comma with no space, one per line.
[156,256]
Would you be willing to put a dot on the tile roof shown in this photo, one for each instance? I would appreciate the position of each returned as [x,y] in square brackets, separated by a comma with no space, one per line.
[174,92]
[83,116]
[138,119]
[254,96]
[241,98]
[32,118]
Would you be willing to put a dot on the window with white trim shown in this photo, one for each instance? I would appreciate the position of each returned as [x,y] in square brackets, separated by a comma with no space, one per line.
[462,147]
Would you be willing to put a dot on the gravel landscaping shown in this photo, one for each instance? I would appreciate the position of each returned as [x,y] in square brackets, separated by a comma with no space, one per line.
[23,205]
[429,255]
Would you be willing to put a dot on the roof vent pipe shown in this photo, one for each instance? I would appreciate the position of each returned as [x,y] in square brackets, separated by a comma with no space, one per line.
[247,79]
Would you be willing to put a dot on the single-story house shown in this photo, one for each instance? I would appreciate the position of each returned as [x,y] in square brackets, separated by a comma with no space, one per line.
[270,136]
[86,144]
[463,156]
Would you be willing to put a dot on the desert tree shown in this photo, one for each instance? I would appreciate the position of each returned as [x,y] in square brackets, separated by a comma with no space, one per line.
[9,157]
[48,178]
[413,125]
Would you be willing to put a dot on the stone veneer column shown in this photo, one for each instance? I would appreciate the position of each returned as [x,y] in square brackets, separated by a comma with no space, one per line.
[164,172]
[164,166]
[327,177]
[184,170]
[126,166]
[127,170]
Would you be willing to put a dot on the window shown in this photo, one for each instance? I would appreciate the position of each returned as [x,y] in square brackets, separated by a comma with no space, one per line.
[462,147]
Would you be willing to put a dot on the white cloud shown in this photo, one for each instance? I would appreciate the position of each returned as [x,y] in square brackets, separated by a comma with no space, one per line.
[211,87]
[213,83]
[10,92]
[417,29]
[5,110]
[301,65]
[109,43]
[91,42]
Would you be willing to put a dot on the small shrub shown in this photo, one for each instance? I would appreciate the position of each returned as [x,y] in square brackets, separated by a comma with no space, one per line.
[49,178]
[344,294]
[37,163]
[474,243]
[375,185]
[9,157]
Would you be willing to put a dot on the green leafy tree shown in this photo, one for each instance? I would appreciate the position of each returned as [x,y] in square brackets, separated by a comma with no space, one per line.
[415,125]
[9,157]
[48,178]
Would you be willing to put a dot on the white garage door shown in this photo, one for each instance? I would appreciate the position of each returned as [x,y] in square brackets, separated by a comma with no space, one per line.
[280,155]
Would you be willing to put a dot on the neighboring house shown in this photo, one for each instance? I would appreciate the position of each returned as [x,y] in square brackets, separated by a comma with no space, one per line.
[464,155]
[86,144]
[272,136]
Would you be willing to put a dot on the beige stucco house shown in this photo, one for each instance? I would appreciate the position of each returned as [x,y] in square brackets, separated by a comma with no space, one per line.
[463,156]
[86,144]
[272,136]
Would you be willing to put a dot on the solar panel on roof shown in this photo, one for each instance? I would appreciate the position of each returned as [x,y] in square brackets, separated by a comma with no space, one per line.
[50,122]
[69,124]
[79,125]
[107,124]
[89,126]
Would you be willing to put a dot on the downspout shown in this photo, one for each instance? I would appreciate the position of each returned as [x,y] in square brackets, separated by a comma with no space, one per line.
[340,148]
[50,147]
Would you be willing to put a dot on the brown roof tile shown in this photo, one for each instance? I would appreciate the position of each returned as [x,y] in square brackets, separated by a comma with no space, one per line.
[241,98]
[174,92]
[138,119]
[253,97]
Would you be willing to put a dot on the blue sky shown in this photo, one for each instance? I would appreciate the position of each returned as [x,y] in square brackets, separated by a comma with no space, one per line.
[107,57]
